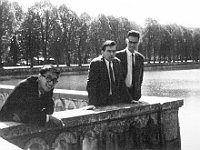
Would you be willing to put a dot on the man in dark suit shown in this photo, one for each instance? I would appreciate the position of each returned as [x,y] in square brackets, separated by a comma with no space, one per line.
[105,84]
[31,100]
[133,64]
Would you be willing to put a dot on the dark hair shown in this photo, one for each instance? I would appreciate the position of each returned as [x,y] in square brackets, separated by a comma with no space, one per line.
[108,43]
[49,68]
[133,33]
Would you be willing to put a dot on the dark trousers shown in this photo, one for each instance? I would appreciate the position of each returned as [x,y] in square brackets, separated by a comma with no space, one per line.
[111,100]
[132,93]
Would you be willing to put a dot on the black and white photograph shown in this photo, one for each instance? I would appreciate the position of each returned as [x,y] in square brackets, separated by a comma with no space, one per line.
[99,75]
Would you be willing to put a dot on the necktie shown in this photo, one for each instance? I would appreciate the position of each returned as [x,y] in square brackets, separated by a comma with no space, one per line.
[112,82]
[133,60]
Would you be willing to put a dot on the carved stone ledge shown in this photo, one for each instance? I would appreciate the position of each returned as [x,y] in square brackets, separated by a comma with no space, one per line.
[152,124]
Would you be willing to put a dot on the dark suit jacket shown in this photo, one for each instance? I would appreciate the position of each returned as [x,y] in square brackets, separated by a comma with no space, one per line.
[24,101]
[98,85]
[135,91]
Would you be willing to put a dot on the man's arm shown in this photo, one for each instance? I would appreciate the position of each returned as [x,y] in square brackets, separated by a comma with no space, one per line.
[92,81]
[15,104]
[142,71]
[125,96]
[48,98]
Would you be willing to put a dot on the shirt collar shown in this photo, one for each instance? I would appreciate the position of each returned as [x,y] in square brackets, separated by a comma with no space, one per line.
[107,62]
[129,53]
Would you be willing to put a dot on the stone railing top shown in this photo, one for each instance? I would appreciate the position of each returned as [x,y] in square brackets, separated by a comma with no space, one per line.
[9,87]
[56,91]
[64,91]
[165,102]
[5,145]
[71,92]
[80,116]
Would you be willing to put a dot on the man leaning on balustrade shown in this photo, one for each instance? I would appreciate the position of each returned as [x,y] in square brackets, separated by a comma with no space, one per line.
[31,100]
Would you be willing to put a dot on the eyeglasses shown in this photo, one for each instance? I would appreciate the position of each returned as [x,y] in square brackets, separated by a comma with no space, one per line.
[48,79]
[132,42]
[109,51]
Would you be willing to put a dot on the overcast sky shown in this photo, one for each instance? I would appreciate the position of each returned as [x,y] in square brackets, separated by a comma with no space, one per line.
[181,12]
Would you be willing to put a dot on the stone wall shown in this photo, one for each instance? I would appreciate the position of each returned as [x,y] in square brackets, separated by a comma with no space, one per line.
[64,99]
[152,124]
[5,145]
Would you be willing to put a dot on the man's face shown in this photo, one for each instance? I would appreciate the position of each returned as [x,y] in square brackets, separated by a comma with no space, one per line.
[109,53]
[132,43]
[48,81]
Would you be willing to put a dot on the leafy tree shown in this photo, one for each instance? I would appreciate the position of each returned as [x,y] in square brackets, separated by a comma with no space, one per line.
[148,38]
[14,50]
[17,13]
[49,32]
[174,32]
[105,29]
[124,27]
[165,47]
[94,38]
[56,45]
[67,21]
[177,41]
[114,24]
[156,40]
[30,36]
[82,36]
[196,44]
[6,29]
[187,50]
[45,19]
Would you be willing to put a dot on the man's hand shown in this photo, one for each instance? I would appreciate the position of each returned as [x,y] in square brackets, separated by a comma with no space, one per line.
[16,118]
[89,107]
[54,122]
[135,102]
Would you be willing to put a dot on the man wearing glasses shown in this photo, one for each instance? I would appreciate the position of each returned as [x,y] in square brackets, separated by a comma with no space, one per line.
[133,65]
[31,100]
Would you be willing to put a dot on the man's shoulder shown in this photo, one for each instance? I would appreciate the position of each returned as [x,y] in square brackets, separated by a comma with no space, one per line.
[121,54]
[28,81]
[31,79]
[139,54]
[117,59]
[97,59]
[121,51]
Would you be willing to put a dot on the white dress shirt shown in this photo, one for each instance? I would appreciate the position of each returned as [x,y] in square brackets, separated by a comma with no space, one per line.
[128,79]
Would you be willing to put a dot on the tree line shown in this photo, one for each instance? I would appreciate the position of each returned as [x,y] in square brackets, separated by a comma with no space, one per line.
[46,32]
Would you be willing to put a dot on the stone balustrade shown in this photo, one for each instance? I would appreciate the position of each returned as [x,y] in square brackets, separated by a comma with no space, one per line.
[141,126]
[151,124]
[64,99]
[5,145]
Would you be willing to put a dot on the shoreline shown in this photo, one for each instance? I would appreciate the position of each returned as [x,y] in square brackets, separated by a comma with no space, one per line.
[21,73]
[172,66]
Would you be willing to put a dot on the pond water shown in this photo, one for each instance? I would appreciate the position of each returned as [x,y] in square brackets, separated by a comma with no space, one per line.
[177,84]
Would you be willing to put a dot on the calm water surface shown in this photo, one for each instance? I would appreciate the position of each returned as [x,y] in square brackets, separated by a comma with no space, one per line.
[179,84]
